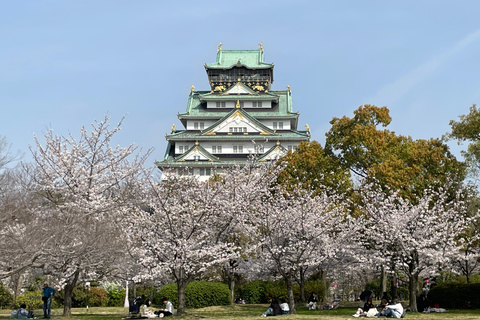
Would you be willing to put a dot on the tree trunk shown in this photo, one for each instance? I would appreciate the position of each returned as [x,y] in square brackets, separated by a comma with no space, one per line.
[18,283]
[302,285]
[467,270]
[413,283]
[232,289]
[182,282]
[230,273]
[291,299]
[394,287]
[67,301]
[383,281]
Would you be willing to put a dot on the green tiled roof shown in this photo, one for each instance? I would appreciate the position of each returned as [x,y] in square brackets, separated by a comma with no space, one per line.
[279,135]
[252,59]
[195,107]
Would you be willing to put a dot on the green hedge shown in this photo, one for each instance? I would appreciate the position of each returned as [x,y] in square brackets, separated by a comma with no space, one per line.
[260,291]
[81,297]
[198,294]
[254,292]
[455,296]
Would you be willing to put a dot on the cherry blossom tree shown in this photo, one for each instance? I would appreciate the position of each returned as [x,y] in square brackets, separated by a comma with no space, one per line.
[295,230]
[83,184]
[417,239]
[18,224]
[184,226]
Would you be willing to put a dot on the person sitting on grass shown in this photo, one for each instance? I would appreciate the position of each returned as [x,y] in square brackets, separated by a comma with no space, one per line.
[20,313]
[284,306]
[274,309]
[312,301]
[394,310]
[363,310]
[167,311]
[146,312]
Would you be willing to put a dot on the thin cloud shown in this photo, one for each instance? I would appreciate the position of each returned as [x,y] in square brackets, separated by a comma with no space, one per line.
[396,90]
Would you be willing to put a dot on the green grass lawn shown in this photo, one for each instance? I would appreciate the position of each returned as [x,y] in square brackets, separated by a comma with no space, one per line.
[240,312]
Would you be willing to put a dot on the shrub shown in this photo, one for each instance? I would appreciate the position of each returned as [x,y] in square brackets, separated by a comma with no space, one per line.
[170,292]
[115,294]
[315,286]
[81,297]
[6,297]
[456,296]
[254,292]
[33,300]
[148,292]
[198,294]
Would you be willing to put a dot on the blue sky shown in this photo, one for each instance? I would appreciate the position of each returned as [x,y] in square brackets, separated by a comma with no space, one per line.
[64,64]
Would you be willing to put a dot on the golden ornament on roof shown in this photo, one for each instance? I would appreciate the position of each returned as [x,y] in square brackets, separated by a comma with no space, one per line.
[261,46]
[307,127]
[191,89]
[219,47]
[288,88]
[173,128]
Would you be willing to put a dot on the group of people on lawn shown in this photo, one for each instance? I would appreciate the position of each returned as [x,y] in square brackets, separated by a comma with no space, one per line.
[47,297]
[385,309]
[167,311]
[49,293]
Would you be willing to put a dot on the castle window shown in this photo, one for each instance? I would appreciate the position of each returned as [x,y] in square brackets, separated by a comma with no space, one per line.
[216,149]
[205,171]
[237,149]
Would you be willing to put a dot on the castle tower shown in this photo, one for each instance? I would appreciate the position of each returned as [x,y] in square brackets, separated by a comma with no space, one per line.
[239,116]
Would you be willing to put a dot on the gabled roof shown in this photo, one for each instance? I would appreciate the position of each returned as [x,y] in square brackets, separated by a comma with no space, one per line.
[251,59]
[275,152]
[197,149]
[239,88]
[238,113]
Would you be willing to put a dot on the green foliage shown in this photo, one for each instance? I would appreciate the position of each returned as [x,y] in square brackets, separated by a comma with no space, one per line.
[315,286]
[278,290]
[394,162]
[198,294]
[468,129]
[449,278]
[33,299]
[115,293]
[254,292]
[456,296]
[169,291]
[314,169]
[147,292]
[6,297]
[259,291]
[81,297]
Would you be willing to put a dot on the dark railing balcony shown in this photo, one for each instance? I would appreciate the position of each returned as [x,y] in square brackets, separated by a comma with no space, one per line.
[253,79]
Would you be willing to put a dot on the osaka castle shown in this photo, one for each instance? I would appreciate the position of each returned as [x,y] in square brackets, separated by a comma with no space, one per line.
[239,116]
